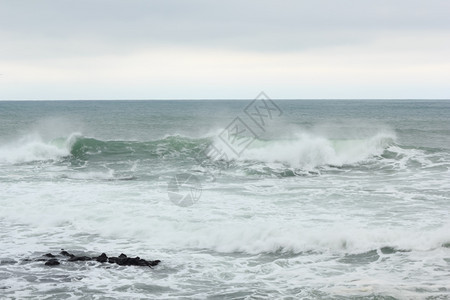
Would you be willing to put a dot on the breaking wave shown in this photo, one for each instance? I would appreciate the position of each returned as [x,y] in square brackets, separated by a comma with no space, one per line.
[271,238]
[308,151]
[32,148]
[303,152]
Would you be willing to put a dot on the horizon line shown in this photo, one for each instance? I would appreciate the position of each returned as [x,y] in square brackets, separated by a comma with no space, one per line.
[234,99]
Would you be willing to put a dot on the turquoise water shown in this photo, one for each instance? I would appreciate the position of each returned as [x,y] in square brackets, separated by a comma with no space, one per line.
[328,199]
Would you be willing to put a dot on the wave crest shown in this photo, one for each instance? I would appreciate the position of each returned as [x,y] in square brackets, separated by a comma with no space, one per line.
[308,151]
[32,148]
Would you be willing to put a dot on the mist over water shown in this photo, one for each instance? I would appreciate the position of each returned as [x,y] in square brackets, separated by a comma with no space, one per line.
[333,199]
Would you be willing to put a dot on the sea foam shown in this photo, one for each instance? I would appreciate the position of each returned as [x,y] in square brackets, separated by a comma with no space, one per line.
[32,147]
[308,151]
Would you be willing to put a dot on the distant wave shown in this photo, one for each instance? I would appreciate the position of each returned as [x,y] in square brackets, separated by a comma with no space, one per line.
[168,147]
[308,151]
[32,148]
[304,152]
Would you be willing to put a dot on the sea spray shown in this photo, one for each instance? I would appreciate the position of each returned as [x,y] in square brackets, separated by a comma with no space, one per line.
[308,151]
[32,147]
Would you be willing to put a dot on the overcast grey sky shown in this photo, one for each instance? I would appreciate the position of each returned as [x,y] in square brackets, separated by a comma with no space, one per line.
[137,49]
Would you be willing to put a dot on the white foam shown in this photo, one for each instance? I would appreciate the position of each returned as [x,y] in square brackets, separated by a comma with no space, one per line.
[257,238]
[33,148]
[137,220]
[308,151]
[118,212]
[108,175]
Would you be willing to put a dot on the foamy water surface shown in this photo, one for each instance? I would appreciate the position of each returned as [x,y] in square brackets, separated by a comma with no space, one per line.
[335,199]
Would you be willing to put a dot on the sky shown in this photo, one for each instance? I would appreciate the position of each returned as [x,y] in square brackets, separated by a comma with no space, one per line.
[173,49]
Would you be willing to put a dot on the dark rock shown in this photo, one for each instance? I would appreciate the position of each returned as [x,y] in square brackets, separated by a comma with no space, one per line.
[102,258]
[80,258]
[112,260]
[41,259]
[153,263]
[52,262]
[73,257]
[65,253]
[121,260]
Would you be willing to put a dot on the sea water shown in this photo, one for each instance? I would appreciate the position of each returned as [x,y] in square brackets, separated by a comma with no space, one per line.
[319,199]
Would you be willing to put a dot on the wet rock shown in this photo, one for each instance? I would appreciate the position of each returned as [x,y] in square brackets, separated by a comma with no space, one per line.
[153,263]
[121,260]
[45,257]
[102,258]
[112,260]
[52,262]
[41,259]
[73,257]
[65,253]
[80,258]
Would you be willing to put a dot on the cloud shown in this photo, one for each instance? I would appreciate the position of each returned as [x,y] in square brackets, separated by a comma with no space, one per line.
[177,49]
[287,26]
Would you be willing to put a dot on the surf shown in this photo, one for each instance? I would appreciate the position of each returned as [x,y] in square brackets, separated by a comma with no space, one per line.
[308,151]
[303,152]
[32,148]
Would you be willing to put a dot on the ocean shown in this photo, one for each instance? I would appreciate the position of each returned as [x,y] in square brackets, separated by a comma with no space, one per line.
[248,199]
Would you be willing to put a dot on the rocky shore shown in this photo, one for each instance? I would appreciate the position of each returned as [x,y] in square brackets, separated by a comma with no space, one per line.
[122,260]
